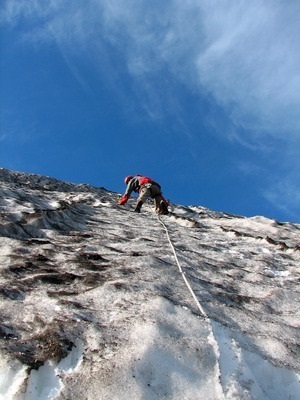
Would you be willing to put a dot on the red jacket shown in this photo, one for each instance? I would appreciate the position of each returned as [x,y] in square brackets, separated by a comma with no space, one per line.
[135,184]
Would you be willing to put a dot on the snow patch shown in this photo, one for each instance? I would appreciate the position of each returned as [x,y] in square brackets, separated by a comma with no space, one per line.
[275,274]
[247,375]
[54,205]
[47,382]
[12,376]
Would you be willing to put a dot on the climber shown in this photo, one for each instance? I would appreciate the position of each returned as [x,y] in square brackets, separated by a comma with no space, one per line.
[146,188]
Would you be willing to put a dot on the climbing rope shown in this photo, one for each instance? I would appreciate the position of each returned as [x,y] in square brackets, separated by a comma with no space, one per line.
[217,350]
[181,270]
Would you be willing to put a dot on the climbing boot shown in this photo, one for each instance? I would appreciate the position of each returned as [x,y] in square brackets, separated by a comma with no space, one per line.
[138,207]
[163,208]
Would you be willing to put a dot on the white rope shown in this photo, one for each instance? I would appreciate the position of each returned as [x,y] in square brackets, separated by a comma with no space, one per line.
[181,271]
[216,349]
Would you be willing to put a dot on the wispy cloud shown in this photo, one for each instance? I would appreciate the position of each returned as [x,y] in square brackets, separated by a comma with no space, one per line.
[244,54]
[251,64]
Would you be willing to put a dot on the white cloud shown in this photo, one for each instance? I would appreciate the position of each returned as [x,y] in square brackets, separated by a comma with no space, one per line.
[34,12]
[244,54]
[251,64]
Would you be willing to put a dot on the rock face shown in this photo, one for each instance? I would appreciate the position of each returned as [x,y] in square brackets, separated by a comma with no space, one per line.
[94,306]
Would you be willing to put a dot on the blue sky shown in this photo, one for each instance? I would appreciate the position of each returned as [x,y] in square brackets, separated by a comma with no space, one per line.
[203,96]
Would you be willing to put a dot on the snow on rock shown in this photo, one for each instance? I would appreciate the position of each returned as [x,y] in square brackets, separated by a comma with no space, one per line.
[12,377]
[248,373]
[46,382]
[93,305]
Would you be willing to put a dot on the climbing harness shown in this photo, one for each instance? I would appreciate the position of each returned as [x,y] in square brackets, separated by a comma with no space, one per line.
[180,269]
